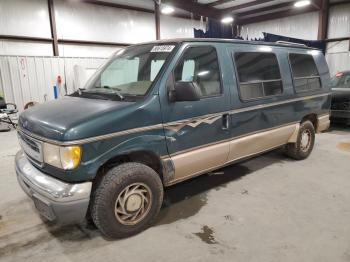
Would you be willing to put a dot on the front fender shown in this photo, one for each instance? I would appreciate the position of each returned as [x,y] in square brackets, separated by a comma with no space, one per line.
[98,153]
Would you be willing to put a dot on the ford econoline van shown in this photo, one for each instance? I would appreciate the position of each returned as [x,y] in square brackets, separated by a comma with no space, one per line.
[162,112]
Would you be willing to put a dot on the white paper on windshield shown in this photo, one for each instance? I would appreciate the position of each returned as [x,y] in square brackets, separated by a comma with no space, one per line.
[162,48]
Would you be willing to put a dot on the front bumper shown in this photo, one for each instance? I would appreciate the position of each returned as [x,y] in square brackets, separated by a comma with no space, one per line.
[54,199]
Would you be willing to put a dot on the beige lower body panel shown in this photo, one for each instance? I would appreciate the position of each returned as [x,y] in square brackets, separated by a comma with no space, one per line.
[323,123]
[200,160]
[204,159]
[259,142]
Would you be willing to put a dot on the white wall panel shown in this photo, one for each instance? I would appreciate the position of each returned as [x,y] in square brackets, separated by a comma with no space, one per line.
[25,18]
[98,23]
[24,79]
[25,48]
[338,62]
[338,53]
[304,26]
[339,21]
[336,47]
[86,51]
[174,27]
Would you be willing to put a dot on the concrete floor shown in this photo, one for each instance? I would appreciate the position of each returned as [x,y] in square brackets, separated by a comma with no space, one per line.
[267,209]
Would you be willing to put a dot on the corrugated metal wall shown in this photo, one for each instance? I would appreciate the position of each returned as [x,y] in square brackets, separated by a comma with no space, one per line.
[24,79]
[338,53]
[303,26]
[77,20]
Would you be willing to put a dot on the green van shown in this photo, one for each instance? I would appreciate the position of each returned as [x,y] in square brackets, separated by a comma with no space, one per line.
[163,112]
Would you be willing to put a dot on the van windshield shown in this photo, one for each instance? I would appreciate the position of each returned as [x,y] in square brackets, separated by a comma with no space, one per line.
[130,72]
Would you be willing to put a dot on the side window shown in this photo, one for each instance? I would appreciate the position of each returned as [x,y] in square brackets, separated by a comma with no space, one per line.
[304,71]
[200,65]
[258,74]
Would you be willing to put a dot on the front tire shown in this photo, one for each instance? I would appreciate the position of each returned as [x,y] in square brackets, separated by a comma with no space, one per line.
[127,200]
[305,142]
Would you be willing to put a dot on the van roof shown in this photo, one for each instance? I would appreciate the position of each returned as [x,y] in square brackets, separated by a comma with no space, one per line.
[233,41]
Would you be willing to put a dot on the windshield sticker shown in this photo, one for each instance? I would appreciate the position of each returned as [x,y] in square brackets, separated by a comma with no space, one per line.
[162,48]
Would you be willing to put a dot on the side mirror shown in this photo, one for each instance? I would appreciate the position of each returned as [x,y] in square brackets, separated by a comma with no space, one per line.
[185,91]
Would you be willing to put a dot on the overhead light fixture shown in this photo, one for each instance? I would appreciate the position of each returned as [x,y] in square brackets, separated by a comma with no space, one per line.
[167,9]
[302,3]
[227,20]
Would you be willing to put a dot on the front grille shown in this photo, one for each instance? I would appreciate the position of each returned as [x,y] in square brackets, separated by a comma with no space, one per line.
[32,148]
[30,143]
[340,106]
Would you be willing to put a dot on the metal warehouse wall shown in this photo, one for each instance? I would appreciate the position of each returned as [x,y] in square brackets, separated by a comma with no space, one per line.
[24,79]
[82,21]
[338,53]
[305,26]
[28,70]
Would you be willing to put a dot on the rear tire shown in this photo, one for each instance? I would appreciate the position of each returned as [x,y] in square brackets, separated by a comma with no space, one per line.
[127,200]
[302,148]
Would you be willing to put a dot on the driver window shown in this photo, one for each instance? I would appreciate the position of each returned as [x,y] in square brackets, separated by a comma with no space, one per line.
[200,65]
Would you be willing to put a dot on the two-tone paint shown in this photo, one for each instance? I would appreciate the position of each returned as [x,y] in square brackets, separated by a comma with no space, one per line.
[180,139]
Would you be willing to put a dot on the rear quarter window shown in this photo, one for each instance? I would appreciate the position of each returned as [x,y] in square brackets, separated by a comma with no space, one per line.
[258,74]
[304,72]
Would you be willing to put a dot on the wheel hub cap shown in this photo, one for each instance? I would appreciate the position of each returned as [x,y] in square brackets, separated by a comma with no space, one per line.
[305,140]
[133,204]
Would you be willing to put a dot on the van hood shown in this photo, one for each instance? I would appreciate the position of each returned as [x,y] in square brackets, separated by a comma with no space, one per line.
[68,118]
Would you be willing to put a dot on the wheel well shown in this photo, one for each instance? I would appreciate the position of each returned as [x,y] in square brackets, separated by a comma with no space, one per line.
[144,157]
[312,118]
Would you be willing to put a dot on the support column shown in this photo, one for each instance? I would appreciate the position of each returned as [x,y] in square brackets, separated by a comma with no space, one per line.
[323,20]
[53,27]
[157,19]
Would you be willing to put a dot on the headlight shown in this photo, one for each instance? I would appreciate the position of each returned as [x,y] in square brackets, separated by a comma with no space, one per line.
[66,157]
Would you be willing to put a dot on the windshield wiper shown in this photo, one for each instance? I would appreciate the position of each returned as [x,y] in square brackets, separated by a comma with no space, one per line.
[115,91]
[80,91]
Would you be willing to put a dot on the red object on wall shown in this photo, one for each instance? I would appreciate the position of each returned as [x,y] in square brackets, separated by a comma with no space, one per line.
[59,79]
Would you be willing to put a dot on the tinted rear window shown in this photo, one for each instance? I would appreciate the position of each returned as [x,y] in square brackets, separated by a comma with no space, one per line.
[258,74]
[255,66]
[304,71]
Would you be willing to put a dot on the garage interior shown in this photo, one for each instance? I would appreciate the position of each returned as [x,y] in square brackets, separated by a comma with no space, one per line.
[268,208]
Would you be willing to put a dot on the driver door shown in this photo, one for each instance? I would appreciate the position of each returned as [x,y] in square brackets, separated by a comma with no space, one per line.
[197,132]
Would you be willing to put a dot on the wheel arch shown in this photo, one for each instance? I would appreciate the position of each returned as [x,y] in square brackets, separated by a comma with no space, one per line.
[142,156]
[312,118]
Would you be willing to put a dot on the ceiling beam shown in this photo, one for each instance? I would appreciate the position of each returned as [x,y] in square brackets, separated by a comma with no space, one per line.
[131,8]
[339,3]
[277,15]
[245,5]
[219,2]
[195,8]
[115,5]
[269,9]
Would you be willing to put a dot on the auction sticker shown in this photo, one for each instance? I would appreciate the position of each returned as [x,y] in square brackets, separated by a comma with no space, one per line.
[162,48]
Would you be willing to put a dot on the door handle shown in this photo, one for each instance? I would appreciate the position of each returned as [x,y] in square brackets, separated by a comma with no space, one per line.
[225,121]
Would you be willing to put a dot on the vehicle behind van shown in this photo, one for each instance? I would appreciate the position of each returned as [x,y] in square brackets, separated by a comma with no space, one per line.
[340,108]
[163,112]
